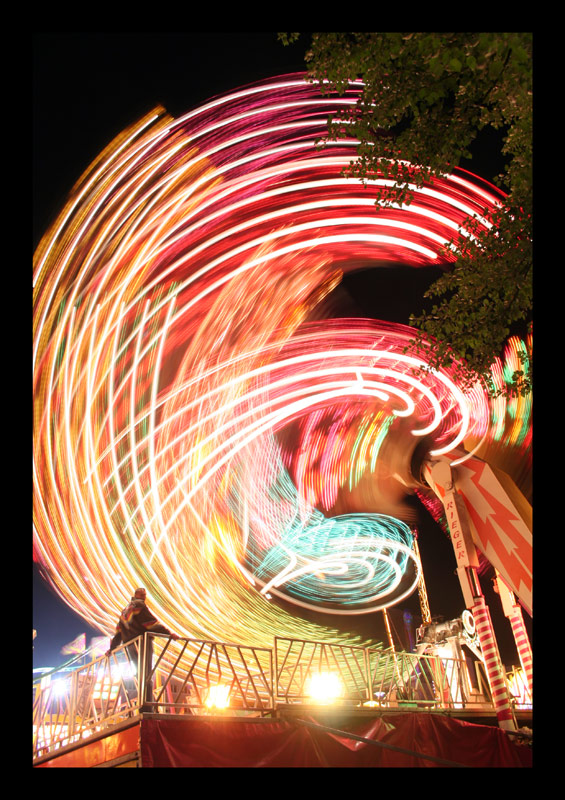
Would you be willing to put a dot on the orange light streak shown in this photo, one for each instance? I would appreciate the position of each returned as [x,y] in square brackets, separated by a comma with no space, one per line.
[172,349]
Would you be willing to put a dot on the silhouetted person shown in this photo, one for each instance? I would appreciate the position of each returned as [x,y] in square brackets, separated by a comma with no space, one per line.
[134,621]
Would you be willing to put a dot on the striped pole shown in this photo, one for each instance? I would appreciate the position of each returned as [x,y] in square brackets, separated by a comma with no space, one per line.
[493,664]
[523,646]
[514,614]
[440,478]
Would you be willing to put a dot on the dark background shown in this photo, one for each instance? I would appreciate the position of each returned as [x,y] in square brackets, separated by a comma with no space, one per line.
[87,87]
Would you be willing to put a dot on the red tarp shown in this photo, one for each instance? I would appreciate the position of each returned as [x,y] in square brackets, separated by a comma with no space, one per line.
[266,743]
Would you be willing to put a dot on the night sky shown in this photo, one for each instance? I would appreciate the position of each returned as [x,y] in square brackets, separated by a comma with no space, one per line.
[86,89]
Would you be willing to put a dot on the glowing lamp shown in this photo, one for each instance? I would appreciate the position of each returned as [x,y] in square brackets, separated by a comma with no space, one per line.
[325,687]
[218,697]
[380,697]
[60,687]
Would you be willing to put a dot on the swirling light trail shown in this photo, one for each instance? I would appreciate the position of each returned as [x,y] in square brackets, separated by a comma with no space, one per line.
[185,396]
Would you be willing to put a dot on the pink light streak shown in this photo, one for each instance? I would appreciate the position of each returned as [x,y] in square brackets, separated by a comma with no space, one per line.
[172,344]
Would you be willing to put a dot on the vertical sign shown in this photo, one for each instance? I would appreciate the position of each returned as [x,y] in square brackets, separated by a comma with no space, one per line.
[441,480]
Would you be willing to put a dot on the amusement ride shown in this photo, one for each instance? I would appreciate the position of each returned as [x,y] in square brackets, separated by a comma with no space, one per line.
[204,430]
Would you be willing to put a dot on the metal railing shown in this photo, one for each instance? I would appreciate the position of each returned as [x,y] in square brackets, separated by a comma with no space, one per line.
[519,689]
[151,674]
[376,677]
[158,675]
[192,675]
[406,679]
[298,662]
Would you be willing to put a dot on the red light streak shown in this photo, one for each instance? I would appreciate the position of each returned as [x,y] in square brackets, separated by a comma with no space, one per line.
[171,346]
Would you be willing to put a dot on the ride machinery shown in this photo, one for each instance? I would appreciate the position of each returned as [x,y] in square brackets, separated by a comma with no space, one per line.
[210,426]
[486,514]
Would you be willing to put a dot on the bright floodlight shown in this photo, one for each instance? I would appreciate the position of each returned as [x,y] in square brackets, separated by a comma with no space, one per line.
[218,697]
[60,687]
[325,687]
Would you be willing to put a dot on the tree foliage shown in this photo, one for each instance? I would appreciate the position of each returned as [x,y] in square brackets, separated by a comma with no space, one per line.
[425,99]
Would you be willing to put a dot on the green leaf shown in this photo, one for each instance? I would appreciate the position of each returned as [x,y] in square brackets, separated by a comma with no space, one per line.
[436,67]
[440,91]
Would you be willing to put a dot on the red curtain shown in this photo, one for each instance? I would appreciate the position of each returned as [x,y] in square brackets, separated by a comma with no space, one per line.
[436,741]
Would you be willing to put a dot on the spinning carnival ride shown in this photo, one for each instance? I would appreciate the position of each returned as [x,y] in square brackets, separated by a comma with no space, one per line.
[202,430]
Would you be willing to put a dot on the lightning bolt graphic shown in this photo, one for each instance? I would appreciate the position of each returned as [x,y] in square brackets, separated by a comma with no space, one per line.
[498,530]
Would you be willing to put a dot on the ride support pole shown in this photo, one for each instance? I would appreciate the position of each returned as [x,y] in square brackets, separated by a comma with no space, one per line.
[513,612]
[393,648]
[524,648]
[442,480]
[493,664]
